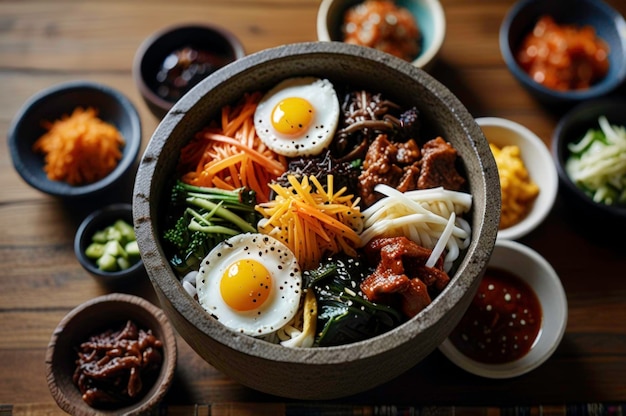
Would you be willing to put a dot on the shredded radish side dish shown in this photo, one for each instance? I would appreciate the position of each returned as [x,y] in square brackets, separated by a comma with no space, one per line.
[597,163]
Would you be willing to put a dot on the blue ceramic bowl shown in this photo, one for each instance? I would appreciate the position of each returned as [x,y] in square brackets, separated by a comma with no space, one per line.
[608,23]
[571,128]
[51,104]
[429,16]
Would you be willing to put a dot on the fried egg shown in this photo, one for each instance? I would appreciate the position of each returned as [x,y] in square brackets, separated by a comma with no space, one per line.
[298,117]
[251,283]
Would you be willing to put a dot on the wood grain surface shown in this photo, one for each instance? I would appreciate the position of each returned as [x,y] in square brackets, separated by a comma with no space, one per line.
[43,43]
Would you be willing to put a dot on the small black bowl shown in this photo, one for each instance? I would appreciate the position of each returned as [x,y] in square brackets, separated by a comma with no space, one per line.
[51,104]
[221,47]
[571,128]
[96,221]
[607,22]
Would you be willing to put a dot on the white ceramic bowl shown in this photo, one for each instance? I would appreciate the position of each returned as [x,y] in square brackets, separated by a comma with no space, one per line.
[530,266]
[429,16]
[539,163]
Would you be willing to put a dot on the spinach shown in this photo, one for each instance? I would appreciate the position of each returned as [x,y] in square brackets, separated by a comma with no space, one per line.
[344,314]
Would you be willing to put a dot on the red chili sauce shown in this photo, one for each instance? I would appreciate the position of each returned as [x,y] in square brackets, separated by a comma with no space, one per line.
[502,322]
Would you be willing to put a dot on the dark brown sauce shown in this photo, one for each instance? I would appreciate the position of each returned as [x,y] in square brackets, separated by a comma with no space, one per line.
[502,322]
[182,69]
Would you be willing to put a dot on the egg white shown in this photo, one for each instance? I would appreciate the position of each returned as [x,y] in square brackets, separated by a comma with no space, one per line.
[322,96]
[284,299]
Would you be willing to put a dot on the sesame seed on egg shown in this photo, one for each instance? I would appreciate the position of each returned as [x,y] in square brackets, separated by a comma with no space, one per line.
[253,284]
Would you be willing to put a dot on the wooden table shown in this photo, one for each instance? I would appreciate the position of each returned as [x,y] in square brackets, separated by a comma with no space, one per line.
[43,43]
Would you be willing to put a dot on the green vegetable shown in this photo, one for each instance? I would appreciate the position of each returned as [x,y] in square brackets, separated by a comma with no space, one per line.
[344,314]
[114,248]
[597,163]
[201,218]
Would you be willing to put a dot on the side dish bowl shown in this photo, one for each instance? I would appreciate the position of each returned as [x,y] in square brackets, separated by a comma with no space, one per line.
[428,14]
[98,221]
[323,372]
[607,22]
[570,129]
[538,162]
[59,100]
[103,313]
[534,270]
[220,45]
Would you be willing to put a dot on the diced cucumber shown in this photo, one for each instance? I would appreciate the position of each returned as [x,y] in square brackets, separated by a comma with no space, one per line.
[94,250]
[107,262]
[132,248]
[113,233]
[100,237]
[123,263]
[115,247]
[126,230]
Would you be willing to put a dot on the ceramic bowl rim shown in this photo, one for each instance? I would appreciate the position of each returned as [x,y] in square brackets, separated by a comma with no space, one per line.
[62,189]
[529,362]
[549,180]
[426,56]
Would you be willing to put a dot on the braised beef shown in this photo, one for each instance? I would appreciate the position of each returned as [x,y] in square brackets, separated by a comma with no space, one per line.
[438,166]
[401,274]
[388,163]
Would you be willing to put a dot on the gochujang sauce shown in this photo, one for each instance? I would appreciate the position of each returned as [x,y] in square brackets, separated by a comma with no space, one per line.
[502,322]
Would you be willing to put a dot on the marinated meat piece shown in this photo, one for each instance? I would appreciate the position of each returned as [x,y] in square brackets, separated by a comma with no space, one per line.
[401,274]
[433,276]
[407,153]
[389,163]
[415,298]
[438,166]
[378,285]
[408,182]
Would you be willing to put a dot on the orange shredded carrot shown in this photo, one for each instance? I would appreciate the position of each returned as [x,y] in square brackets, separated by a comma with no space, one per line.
[232,155]
[312,221]
[80,148]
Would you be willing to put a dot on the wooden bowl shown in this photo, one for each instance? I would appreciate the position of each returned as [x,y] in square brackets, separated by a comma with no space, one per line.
[324,372]
[93,317]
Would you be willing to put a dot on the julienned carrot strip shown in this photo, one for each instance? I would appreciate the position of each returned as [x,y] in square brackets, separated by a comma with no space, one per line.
[311,221]
[330,222]
[259,157]
[208,160]
[80,148]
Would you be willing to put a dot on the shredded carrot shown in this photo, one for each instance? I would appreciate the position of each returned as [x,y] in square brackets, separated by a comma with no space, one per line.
[81,148]
[232,155]
[312,221]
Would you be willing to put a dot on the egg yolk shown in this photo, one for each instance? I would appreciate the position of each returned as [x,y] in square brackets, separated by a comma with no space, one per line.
[292,116]
[245,285]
